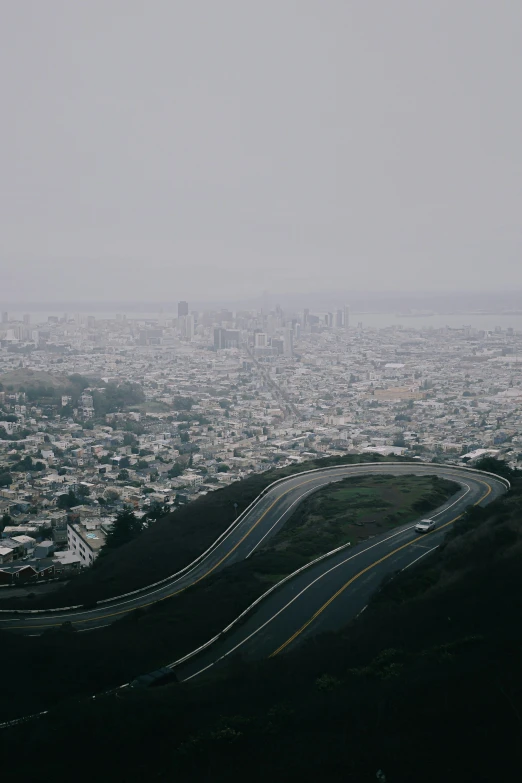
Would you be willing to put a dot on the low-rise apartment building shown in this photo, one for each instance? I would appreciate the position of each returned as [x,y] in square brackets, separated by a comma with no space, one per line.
[85,541]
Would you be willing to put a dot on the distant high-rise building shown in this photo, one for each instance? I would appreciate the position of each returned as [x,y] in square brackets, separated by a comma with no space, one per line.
[346,318]
[182,308]
[261,340]
[5,318]
[339,318]
[27,319]
[226,338]
[219,338]
[289,343]
[278,345]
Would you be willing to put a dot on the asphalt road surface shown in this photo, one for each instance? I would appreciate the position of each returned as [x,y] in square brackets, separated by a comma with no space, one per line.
[323,597]
[328,595]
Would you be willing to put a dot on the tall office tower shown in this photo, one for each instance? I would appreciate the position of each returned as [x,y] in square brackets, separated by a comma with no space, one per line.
[297,329]
[329,320]
[339,318]
[5,318]
[289,343]
[261,340]
[346,319]
[219,338]
[305,316]
[182,308]
[27,319]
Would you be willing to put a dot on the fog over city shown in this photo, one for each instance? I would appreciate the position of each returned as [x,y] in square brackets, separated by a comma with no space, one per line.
[260,390]
[210,151]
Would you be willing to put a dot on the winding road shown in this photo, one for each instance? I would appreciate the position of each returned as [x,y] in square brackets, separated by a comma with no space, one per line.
[323,596]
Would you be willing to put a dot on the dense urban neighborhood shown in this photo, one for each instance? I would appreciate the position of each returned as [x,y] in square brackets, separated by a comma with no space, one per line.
[103,417]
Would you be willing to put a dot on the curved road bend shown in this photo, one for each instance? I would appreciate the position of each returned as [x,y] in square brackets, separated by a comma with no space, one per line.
[262,522]
[331,593]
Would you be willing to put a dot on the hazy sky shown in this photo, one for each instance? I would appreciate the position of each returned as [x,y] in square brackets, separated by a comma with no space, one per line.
[207,148]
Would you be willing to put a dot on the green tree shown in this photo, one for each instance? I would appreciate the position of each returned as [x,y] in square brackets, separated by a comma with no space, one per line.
[156,511]
[68,500]
[183,403]
[175,471]
[134,427]
[493,465]
[126,527]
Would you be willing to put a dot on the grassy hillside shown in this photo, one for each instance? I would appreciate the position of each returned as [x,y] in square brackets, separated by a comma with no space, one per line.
[425,686]
[357,508]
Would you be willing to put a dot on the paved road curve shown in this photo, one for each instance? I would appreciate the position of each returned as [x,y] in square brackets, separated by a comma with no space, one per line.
[328,595]
[284,617]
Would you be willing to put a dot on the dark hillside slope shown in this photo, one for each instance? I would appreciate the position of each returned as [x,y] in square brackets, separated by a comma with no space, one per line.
[425,686]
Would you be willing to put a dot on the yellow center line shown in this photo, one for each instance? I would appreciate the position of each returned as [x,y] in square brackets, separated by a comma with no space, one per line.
[364,571]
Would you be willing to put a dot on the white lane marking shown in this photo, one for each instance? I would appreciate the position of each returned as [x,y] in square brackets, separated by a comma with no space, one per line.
[317,579]
[420,558]
[447,508]
[308,492]
[202,670]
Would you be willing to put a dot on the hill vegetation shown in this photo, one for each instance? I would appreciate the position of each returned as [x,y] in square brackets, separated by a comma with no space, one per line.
[358,507]
[165,631]
[425,686]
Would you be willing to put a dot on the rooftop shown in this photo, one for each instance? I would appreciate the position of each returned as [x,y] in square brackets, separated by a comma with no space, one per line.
[93,537]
